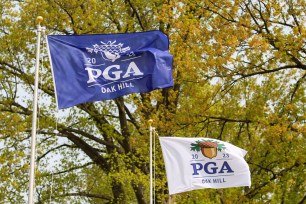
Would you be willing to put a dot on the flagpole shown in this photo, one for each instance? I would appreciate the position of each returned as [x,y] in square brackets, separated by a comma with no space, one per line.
[39,19]
[151,179]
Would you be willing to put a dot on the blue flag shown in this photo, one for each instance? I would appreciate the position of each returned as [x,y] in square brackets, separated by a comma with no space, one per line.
[97,67]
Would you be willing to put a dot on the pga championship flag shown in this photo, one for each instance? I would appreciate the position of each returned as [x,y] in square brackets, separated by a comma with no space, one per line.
[96,67]
[196,163]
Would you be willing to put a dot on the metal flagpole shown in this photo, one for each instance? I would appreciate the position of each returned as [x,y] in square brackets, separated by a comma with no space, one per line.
[154,163]
[39,19]
[151,179]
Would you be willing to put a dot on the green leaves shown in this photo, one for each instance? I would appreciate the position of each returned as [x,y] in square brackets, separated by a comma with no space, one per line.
[220,147]
[195,146]
[239,73]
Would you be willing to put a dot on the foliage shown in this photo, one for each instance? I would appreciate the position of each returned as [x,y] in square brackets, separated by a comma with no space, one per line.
[239,72]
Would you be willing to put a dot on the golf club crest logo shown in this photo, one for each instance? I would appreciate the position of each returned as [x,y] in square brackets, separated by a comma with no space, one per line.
[114,68]
[208,148]
[109,51]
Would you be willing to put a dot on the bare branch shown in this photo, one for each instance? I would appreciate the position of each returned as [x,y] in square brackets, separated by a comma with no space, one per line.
[89,195]
[53,149]
[296,87]
[72,169]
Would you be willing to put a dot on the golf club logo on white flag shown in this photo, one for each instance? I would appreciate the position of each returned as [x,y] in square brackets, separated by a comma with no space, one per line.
[196,163]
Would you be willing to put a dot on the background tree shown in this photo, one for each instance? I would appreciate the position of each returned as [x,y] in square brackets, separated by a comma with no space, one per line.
[239,71]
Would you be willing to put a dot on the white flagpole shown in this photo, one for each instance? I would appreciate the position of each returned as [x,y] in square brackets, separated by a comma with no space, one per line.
[39,19]
[151,179]
[154,163]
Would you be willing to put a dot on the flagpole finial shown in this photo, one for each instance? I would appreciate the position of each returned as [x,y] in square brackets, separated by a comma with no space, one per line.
[39,19]
[150,122]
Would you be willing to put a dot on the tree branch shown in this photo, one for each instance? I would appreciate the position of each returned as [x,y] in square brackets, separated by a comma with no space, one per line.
[137,14]
[53,149]
[89,195]
[89,150]
[296,87]
[72,169]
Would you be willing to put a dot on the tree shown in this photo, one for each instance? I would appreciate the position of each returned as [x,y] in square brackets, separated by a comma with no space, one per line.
[239,72]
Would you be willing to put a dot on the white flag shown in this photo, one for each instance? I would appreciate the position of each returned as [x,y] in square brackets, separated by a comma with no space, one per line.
[196,163]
